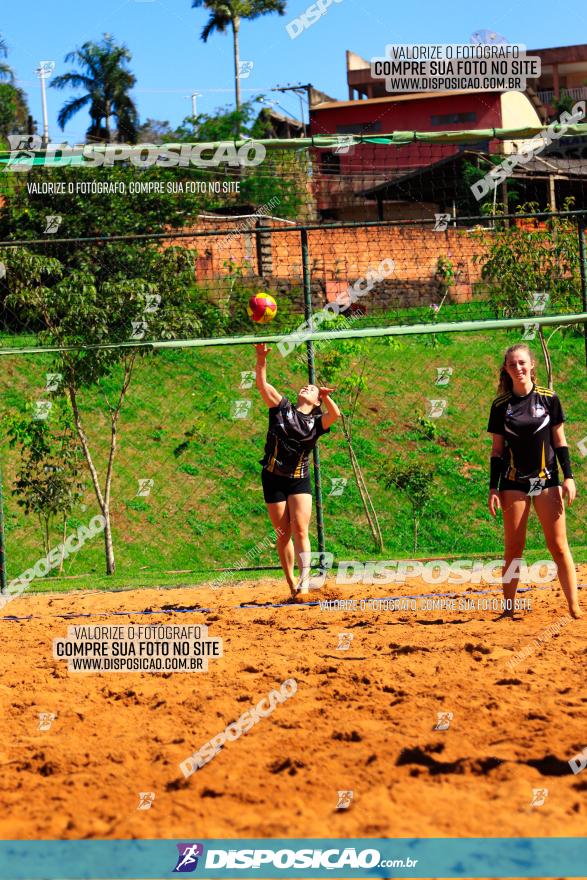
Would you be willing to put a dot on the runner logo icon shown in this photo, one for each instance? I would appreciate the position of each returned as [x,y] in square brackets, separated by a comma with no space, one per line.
[187,860]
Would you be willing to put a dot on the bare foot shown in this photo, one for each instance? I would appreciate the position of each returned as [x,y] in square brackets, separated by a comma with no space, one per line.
[575,611]
[303,586]
[506,614]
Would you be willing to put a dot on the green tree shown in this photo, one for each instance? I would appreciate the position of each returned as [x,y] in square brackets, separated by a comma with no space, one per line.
[155,131]
[564,102]
[48,480]
[230,13]
[220,126]
[6,71]
[14,111]
[491,203]
[107,83]
[415,480]
[82,302]
[523,260]
[75,308]
[105,213]
[287,177]
[447,276]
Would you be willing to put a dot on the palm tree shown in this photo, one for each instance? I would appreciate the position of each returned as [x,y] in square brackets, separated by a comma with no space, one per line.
[107,82]
[5,69]
[231,12]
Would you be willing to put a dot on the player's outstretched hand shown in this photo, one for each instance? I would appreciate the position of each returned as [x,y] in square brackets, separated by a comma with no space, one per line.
[494,502]
[324,391]
[569,491]
[262,349]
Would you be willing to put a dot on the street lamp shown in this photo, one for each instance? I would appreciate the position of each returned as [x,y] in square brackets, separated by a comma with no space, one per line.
[44,71]
[194,96]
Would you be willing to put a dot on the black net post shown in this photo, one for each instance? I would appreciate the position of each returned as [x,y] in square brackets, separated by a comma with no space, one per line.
[312,378]
[2,548]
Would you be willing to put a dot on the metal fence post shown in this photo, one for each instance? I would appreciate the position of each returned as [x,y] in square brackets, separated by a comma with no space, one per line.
[2,552]
[312,378]
[582,227]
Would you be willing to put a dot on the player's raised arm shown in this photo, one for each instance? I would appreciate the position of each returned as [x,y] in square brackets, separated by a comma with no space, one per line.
[269,394]
[333,412]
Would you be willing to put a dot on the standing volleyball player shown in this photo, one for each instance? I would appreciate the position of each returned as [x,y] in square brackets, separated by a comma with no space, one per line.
[526,422]
[293,432]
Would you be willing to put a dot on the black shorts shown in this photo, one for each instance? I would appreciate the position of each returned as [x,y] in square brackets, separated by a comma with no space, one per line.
[524,485]
[277,488]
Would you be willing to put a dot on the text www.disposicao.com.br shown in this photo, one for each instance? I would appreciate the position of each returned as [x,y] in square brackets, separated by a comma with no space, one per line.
[134,664]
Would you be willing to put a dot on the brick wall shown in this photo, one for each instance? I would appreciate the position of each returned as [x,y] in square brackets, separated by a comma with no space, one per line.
[343,255]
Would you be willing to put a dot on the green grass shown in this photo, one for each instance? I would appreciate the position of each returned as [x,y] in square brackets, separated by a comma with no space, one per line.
[206,509]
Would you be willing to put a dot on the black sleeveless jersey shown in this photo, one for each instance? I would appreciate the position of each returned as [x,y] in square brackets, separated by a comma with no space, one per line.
[291,437]
[526,423]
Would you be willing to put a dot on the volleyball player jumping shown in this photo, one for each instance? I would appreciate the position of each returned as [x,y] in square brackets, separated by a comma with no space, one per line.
[526,422]
[293,432]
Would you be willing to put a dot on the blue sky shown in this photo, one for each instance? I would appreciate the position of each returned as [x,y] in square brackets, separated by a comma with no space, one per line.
[170,60]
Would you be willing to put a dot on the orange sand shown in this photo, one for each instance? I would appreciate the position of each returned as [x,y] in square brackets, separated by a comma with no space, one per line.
[361,720]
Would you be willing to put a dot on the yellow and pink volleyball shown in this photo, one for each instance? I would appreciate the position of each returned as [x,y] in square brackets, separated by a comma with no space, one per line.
[262,308]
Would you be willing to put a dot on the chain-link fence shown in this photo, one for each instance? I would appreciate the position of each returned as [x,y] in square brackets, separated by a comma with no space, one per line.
[170,440]
[414,269]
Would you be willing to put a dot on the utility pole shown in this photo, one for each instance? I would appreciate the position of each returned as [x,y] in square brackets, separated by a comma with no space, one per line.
[299,90]
[44,71]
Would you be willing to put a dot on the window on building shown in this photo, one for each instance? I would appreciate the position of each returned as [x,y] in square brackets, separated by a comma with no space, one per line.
[359,128]
[330,163]
[453,118]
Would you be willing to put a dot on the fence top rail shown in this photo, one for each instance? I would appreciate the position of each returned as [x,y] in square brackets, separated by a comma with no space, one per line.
[325,141]
[296,339]
[308,227]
